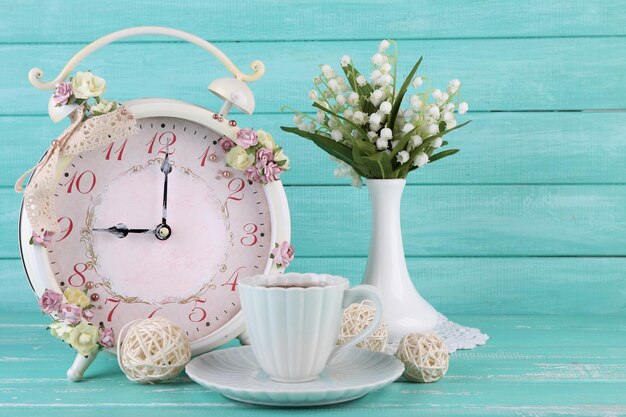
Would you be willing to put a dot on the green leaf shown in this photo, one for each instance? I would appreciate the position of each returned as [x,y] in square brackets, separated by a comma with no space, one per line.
[404,140]
[380,166]
[363,91]
[398,100]
[442,154]
[328,145]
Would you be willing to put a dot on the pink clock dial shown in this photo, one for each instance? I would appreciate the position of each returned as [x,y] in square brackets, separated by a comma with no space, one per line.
[110,204]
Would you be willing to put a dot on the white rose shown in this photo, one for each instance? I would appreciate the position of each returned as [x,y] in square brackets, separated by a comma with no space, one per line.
[239,159]
[61,330]
[420,160]
[86,85]
[103,107]
[265,139]
[279,157]
[84,338]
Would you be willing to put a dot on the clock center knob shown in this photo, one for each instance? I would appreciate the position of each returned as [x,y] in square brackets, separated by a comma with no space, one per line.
[163,232]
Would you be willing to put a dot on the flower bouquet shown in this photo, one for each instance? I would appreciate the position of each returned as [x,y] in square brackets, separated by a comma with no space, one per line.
[363,125]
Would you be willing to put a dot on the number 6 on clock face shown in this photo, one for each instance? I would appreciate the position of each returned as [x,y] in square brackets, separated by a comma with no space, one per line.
[221,226]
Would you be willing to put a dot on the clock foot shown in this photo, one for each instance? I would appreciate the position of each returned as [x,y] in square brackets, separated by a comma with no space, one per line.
[244,338]
[80,365]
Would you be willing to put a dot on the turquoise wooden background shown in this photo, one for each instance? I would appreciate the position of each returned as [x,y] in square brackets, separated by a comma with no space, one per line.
[523,233]
[530,218]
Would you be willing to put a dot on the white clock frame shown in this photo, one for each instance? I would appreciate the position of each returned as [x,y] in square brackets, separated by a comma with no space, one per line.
[35,257]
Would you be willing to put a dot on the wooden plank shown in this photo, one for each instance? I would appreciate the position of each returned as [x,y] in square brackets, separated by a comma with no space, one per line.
[500,74]
[496,148]
[533,365]
[312,20]
[441,220]
[455,285]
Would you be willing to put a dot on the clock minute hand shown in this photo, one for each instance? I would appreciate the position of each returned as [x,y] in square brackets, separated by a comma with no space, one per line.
[166,168]
[120,230]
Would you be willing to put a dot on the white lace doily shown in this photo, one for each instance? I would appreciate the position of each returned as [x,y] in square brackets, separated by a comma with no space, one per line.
[455,336]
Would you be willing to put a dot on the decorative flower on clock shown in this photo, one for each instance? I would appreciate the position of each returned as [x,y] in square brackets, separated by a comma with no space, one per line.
[70,313]
[62,93]
[50,302]
[107,338]
[262,160]
[84,338]
[226,144]
[86,85]
[282,254]
[76,296]
[247,138]
[41,239]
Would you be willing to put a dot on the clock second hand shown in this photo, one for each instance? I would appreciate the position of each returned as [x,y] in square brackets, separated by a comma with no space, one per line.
[120,230]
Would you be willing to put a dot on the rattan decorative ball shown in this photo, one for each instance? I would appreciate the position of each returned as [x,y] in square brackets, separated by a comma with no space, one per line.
[425,357]
[152,350]
[356,318]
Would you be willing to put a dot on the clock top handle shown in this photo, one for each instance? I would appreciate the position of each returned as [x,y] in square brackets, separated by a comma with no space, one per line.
[35,74]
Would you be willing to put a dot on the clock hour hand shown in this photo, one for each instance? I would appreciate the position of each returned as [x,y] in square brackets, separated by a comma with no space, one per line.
[120,230]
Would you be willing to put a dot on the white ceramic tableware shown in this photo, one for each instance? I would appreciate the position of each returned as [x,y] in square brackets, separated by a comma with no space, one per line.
[236,374]
[293,321]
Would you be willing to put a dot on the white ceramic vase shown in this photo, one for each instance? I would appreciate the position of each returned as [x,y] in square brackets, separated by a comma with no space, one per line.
[405,311]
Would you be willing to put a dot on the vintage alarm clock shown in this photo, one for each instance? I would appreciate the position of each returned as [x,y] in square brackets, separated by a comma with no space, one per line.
[156,223]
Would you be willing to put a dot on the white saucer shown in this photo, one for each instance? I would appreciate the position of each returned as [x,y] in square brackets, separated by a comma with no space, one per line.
[236,374]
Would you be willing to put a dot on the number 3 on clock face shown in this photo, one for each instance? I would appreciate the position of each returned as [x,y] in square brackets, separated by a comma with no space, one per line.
[220,226]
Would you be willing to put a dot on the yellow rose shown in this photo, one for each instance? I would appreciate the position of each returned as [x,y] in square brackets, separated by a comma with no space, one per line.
[84,338]
[61,330]
[103,107]
[86,85]
[265,139]
[239,159]
[76,296]
[280,156]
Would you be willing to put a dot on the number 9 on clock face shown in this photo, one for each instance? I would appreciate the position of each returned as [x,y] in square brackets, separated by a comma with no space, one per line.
[158,225]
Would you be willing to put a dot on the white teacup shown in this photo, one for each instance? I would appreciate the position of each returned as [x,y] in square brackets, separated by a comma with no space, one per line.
[293,321]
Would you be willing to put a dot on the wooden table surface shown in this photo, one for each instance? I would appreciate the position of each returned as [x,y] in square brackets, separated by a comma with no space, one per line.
[532,366]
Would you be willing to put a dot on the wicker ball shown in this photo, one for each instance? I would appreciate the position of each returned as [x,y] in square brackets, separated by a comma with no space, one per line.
[425,357]
[153,350]
[355,318]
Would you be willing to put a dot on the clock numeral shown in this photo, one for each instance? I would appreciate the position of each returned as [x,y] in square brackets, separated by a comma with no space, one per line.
[83,183]
[152,314]
[77,279]
[204,156]
[198,314]
[232,281]
[236,186]
[250,239]
[119,151]
[65,231]
[164,139]
[117,304]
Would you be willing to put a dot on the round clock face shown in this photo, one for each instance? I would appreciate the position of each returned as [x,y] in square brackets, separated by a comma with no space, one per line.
[218,228]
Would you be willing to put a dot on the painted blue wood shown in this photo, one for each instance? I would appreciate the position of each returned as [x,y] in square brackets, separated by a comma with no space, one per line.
[521,234]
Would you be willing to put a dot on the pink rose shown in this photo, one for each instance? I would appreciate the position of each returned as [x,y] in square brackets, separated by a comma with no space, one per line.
[247,138]
[50,301]
[283,254]
[271,172]
[70,313]
[107,338]
[252,173]
[62,93]
[41,239]
[226,143]
[264,156]
[87,314]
